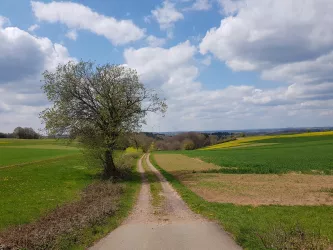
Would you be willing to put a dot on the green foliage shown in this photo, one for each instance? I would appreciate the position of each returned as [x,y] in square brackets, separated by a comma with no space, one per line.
[188,144]
[25,133]
[303,154]
[98,105]
[246,223]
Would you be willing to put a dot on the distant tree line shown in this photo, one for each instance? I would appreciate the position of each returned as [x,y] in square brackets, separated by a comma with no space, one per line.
[183,141]
[191,140]
[21,133]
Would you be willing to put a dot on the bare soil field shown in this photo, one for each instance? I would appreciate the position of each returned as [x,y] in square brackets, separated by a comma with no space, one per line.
[181,163]
[249,189]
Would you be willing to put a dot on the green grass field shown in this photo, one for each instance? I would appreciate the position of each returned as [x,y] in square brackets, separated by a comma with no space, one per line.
[301,154]
[27,192]
[36,176]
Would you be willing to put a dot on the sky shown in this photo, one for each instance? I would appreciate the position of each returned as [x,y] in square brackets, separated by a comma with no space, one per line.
[220,64]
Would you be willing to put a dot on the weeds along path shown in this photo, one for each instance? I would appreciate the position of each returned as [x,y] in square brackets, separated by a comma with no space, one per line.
[175,226]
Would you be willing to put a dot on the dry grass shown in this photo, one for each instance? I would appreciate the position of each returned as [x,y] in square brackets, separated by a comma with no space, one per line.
[99,201]
[260,189]
[284,238]
[182,163]
[248,189]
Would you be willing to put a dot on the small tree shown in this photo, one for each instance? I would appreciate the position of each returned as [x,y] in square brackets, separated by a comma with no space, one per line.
[97,105]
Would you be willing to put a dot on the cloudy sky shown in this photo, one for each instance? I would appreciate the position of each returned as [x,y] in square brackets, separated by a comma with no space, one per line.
[221,64]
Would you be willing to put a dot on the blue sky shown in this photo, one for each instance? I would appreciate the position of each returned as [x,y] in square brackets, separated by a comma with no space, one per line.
[221,64]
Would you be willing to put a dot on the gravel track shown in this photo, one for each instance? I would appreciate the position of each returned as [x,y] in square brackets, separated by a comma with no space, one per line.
[176,227]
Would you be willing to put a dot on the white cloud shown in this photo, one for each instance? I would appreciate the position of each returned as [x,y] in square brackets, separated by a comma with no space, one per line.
[232,6]
[33,27]
[72,34]
[286,41]
[23,57]
[201,5]
[154,41]
[158,63]
[174,73]
[3,21]
[207,60]
[167,15]
[269,33]
[117,31]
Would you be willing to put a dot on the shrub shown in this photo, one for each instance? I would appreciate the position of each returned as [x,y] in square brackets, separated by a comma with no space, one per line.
[188,144]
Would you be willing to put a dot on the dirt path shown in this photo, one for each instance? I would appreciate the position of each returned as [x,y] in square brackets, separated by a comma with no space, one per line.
[176,227]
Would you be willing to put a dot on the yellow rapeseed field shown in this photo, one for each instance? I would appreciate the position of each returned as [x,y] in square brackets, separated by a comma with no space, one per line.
[247,141]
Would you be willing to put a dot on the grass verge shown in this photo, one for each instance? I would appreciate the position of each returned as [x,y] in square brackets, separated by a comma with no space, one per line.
[249,225]
[154,183]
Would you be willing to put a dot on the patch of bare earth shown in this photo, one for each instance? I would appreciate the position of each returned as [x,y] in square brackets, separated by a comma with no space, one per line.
[249,189]
[178,162]
[260,189]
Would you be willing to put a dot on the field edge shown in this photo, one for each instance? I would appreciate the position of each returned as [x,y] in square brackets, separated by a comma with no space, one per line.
[93,234]
[243,236]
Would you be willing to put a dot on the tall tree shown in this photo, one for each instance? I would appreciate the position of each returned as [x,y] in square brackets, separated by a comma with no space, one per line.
[98,105]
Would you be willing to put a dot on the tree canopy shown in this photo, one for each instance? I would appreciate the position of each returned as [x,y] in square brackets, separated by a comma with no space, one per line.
[97,105]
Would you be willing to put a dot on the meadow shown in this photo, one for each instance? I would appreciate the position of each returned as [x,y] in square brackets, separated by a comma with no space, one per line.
[44,184]
[34,180]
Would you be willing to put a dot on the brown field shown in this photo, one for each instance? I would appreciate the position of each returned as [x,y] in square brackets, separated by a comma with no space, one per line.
[181,163]
[249,189]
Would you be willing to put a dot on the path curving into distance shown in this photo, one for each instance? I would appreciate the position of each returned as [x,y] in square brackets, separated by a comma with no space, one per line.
[176,227]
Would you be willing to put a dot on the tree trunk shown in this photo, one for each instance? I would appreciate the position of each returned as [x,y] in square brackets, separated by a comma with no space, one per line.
[109,166]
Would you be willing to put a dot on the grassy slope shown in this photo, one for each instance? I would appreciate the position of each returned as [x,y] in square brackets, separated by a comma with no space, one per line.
[291,154]
[28,191]
[244,222]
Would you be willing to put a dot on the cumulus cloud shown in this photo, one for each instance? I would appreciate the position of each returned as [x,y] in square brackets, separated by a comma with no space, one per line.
[231,6]
[72,34]
[33,27]
[174,72]
[154,41]
[158,63]
[269,33]
[167,15]
[117,31]
[286,41]
[23,57]
[201,5]
[3,21]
